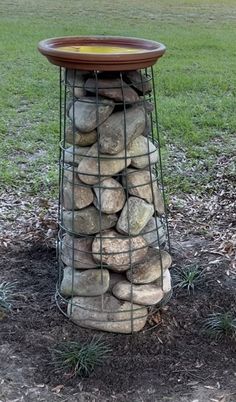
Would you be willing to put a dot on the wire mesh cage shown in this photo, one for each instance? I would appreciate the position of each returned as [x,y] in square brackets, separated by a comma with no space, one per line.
[113,242]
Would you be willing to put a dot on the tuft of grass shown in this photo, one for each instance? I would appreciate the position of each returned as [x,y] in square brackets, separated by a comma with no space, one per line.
[6,297]
[219,325]
[76,359]
[187,278]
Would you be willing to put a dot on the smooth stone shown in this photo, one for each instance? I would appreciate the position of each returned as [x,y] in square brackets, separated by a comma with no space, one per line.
[165,283]
[141,184]
[138,149]
[115,133]
[117,251]
[140,294]
[111,196]
[77,252]
[92,282]
[87,221]
[154,232]
[107,314]
[88,168]
[82,139]
[88,114]
[75,81]
[78,152]
[135,217]
[76,195]
[150,269]
[139,81]
[112,88]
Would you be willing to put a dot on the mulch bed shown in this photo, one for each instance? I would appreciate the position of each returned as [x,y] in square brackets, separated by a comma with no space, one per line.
[172,357]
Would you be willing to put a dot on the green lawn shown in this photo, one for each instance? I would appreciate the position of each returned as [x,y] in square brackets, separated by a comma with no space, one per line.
[196,82]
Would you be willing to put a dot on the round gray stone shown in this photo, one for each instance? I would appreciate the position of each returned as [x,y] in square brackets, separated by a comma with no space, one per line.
[77,252]
[76,195]
[154,232]
[82,139]
[87,221]
[88,115]
[142,152]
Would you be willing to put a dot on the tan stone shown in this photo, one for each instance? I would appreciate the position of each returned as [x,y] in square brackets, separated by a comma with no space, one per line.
[115,89]
[82,139]
[118,251]
[142,152]
[139,294]
[89,167]
[77,252]
[110,198]
[134,216]
[151,268]
[76,195]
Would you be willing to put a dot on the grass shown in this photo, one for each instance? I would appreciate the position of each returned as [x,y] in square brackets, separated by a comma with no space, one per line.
[76,359]
[6,297]
[219,325]
[187,278]
[195,81]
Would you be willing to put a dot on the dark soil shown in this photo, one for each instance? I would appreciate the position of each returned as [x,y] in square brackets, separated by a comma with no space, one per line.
[174,358]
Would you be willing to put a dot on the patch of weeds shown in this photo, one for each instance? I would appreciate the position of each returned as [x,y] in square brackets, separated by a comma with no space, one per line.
[219,325]
[187,278]
[76,359]
[6,297]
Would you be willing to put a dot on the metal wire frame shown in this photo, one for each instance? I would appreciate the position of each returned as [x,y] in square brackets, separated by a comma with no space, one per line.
[67,89]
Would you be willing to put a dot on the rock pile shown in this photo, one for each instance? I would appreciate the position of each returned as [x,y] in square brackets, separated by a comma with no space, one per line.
[112,219]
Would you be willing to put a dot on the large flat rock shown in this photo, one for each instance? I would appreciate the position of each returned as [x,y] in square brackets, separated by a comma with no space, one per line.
[115,89]
[140,294]
[107,314]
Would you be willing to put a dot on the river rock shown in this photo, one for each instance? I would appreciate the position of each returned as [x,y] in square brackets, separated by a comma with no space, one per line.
[83,139]
[154,232]
[86,221]
[141,184]
[118,251]
[107,314]
[76,195]
[114,133]
[88,115]
[140,294]
[92,282]
[165,283]
[111,196]
[75,79]
[140,81]
[150,269]
[77,252]
[133,219]
[88,168]
[138,149]
[78,152]
[112,88]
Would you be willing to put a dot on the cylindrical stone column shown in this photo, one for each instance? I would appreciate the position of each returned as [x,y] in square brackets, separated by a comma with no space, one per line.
[113,244]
